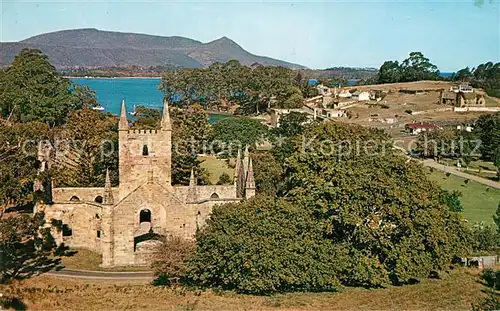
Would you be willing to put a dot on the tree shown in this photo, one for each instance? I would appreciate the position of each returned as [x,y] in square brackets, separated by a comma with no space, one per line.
[375,202]
[357,217]
[31,89]
[263,246]
[27,247]
[438,144]
[190,128]
[414,68]
[89,146]
[488,127]
[389,72]
[19,145]
[231,134]
[496,218]
[463,74]
[147,118]
[224,179]
[268,173]
[452,200]
[417,67]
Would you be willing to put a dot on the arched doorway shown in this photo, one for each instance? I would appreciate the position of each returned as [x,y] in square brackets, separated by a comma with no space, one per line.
[98,199]
[145,216]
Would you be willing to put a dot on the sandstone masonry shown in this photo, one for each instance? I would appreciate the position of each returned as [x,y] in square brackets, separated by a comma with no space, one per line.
[124,223]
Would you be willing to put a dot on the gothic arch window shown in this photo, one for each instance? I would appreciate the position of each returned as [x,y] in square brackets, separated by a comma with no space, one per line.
[145,150]
[74,199]
[214,196]
[98,199]
[145,216]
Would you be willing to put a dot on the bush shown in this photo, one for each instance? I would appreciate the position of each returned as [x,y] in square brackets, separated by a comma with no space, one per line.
[169,259]
[408,111]
[224,179]
[491,278]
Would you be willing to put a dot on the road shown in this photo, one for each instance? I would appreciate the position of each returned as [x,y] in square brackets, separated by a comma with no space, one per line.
[454,171]
[103,275]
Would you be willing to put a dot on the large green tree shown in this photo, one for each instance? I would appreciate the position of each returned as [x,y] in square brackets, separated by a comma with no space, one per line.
[27,247]
[264,246]
[19,164]
[31,89]
[414,68]
[222,86]
[231,134]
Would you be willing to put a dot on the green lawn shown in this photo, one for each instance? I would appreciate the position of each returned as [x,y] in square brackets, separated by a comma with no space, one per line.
[479,204]
[215,167]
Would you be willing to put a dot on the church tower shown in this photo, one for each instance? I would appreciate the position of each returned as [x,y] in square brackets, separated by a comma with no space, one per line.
[144,154]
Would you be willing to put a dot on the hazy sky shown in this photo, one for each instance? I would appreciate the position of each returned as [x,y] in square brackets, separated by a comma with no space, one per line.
[453,34]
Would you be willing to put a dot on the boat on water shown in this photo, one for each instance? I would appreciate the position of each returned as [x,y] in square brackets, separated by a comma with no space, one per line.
[98,108]
[133,113]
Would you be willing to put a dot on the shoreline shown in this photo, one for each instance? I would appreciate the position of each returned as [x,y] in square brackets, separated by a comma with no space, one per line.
[90,77]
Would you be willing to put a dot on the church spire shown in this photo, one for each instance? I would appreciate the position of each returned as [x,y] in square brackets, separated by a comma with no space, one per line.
[250,183]
[237,167]
[123,125]
[165,121]
[108,192]
[246,157]
[192,180]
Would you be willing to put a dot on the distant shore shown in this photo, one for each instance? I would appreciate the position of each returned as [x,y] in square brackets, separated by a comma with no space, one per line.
[118,77]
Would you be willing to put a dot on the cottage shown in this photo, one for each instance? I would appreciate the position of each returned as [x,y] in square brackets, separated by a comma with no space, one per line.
[333,113]
[323,90]
[464,88]
[345,94]
[417,128]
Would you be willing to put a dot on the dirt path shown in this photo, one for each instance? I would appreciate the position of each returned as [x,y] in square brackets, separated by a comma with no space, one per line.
[103,275]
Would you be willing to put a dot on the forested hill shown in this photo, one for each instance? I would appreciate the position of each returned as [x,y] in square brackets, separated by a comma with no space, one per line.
[97,48]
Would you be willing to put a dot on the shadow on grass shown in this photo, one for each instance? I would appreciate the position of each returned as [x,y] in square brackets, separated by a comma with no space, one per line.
[12,303]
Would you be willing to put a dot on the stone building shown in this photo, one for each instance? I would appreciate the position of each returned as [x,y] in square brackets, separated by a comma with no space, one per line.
[462,99]
[123,223]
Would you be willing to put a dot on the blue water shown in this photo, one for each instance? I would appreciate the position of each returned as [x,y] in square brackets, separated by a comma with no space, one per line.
[446,74]
[111,92]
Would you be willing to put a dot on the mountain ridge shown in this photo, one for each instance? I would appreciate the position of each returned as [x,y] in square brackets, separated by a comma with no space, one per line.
[91,48]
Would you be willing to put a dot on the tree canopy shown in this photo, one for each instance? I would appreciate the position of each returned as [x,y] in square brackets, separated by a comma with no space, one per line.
[222,86]
[31,89]
[367,217]
[414,68]
[484,76]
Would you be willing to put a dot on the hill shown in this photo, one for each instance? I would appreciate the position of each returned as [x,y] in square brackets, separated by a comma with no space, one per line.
[96,48]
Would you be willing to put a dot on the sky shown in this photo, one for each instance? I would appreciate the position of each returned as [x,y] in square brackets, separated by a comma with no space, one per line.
[320,34]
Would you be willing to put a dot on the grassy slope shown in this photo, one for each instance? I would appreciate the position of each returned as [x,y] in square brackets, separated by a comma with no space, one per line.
[455,291]
[479,204]
[215,168]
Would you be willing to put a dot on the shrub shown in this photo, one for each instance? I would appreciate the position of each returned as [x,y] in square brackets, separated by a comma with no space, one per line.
[408,111]
[224,179]
[169,259]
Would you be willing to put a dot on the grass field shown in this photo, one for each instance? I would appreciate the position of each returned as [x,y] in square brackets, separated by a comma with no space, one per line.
[455,291]
[215,167]
[84,259]
[479,204]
